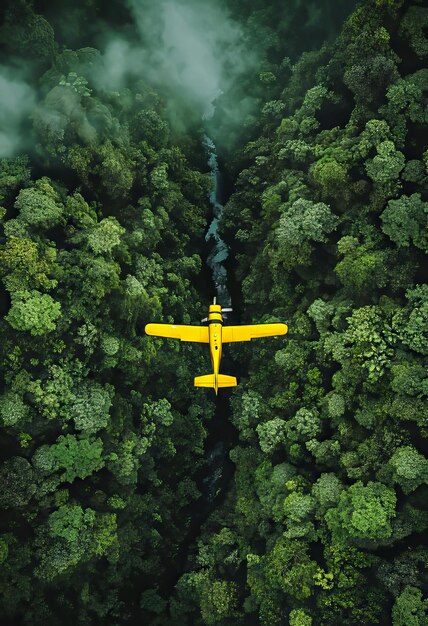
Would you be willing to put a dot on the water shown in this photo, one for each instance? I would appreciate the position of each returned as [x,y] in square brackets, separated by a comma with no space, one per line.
[214,477]
[220,251]
[211,483]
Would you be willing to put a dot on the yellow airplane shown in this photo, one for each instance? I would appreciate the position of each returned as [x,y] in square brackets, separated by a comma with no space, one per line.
[216,335]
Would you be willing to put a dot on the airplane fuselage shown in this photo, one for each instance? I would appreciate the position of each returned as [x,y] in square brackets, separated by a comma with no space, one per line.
[215,323]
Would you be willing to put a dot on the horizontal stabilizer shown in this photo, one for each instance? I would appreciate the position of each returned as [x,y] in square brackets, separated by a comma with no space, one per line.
[226,381]
[205,381]
[209,381]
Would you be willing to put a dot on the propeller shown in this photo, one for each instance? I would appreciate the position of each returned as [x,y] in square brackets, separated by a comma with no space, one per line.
[227,309]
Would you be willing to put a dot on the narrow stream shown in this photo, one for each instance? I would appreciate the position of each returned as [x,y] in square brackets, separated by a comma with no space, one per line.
[220,251]
[218,467]
[214,477]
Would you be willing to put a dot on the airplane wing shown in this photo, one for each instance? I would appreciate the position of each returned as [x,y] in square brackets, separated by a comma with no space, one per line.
[177,331]
[252,331]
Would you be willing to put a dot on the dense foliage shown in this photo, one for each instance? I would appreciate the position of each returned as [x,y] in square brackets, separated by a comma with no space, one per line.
[102,233]
[102,230]
[325,522]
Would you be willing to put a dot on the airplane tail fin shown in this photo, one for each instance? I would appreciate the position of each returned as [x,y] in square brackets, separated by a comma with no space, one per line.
[209,381]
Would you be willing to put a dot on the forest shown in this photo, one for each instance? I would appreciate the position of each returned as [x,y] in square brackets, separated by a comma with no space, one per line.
[127,496]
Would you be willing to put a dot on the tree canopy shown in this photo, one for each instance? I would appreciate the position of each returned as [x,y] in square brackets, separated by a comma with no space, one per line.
[126,494]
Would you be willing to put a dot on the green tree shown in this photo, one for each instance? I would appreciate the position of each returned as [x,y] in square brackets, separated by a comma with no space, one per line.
[18,483]
[14,173]
[298,617]
[13,409]
[24,266]
[410,608]
[75,458]
[124,462]
[72,535]
[406,99]
[34,312]
[335,405]
[90,407]
[375,132]
[159,177]
[412,27]
[330,175]
[405,220]
[218,601]
[363,512]
[321,312]
[414,331]
[105,236]
[304,425]
[115,169]
[271,434]
[68,520]
[409,379]
[52,393]
[387,164]
[39,206]
[28,33]
[410,468]
[298,508]
[368,76]
[371,340]
[326,490]
[306,221]
[363,267]
[414,171]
